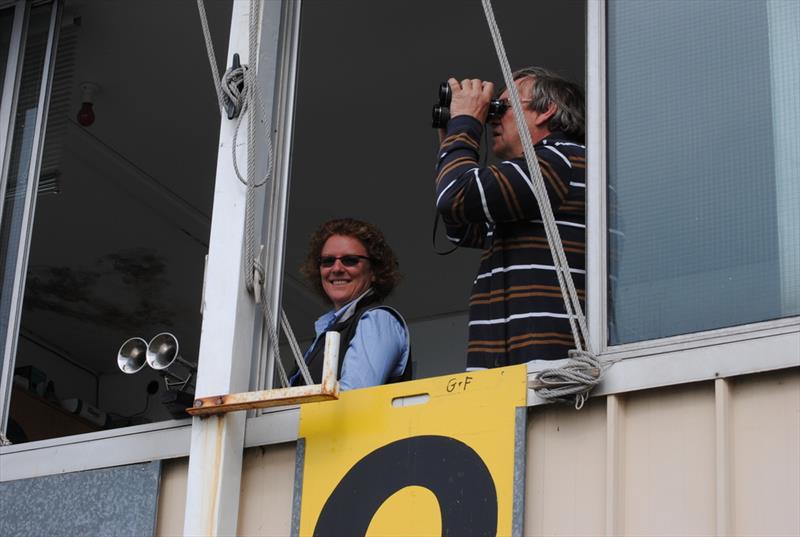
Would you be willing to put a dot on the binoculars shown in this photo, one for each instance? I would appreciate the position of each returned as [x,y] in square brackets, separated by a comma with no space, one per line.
[441,111]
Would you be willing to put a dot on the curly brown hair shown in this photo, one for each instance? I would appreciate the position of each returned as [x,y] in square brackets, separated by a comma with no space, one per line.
[384,262]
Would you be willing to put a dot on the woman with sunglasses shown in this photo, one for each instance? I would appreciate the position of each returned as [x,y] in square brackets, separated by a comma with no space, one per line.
[350,265]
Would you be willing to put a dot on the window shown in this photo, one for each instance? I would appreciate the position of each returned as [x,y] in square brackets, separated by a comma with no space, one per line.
[107,240]
[363,146]
[704,191]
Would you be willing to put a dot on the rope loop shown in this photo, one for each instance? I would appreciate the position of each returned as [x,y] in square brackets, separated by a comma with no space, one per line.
[573,381]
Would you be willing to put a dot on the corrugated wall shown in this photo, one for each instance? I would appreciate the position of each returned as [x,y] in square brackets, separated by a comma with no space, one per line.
[710,458]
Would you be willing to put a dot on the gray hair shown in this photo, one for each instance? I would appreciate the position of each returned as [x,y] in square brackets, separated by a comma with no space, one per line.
[548,87]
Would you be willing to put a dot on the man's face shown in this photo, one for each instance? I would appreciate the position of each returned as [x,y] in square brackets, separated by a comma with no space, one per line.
[506,142]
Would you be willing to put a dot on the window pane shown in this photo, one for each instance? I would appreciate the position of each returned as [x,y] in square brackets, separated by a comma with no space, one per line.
[121,226]
[704,193]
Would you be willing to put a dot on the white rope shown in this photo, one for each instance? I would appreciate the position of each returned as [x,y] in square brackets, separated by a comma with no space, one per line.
[228,87]
[576,379]
[573,381]
[250,84]
[239,89]
[212,57]
[272,336]
[287,328]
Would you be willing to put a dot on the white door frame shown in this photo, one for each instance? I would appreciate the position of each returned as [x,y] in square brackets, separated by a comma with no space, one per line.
[231,321]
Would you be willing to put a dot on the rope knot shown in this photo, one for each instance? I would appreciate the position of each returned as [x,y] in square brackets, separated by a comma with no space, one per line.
[572,382]
[234,89]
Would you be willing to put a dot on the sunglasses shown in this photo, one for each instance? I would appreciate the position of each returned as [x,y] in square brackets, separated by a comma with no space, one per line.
[347,260]
[503,105]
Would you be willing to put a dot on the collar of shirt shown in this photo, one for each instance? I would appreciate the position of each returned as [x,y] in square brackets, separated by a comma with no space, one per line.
[555,136]
[333,316]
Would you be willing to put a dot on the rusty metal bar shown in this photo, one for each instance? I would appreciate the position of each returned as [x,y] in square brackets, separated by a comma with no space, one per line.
[327,390]
[261,399]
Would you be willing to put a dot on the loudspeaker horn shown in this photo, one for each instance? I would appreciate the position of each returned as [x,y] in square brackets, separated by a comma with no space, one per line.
[163,351]
[132,355]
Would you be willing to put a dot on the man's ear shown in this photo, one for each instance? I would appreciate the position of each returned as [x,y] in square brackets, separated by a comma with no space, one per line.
[545,116]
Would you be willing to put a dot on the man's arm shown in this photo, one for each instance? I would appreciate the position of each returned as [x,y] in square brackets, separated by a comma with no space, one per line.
[470,97]
[467,194]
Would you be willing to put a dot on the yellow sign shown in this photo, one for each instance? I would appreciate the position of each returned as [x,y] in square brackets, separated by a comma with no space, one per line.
[430,457]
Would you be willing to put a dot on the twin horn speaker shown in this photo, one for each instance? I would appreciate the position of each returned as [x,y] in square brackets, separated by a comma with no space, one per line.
[162,351]
[132,355]
[160,354]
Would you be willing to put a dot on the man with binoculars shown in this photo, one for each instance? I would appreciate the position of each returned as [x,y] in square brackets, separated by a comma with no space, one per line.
[516,312]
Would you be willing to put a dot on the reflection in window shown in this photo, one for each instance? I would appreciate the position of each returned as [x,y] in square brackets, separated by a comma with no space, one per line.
[703,165]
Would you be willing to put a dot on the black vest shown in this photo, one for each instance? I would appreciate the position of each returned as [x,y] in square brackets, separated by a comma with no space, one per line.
[347,330]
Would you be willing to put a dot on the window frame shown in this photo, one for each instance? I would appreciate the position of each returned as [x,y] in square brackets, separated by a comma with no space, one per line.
[672,360]
[8,345]
[233,336]
[11,78]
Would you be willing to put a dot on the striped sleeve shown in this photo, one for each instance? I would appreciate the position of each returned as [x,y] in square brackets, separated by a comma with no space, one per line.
[469,235]
[467,194]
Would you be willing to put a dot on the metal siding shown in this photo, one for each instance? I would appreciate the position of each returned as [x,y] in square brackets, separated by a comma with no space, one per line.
[111,501]
[668,470]
[265,506]
[566,470]
[172,497]
[646,463]
[765,454]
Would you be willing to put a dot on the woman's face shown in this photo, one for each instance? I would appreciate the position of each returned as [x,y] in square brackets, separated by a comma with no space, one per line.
[340,282]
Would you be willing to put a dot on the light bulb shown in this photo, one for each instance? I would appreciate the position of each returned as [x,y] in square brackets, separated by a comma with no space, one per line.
[86,114]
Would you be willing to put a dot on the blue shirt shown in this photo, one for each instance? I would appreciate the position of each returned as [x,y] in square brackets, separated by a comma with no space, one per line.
[378,350]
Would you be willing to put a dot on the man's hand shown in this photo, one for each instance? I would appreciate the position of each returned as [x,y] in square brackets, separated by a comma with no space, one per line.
[471,98]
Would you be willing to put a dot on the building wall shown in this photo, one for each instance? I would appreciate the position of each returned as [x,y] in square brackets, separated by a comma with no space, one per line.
[265,506]
[643,463]
[172,497]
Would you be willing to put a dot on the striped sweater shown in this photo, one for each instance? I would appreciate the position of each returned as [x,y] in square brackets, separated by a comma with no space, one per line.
[516,311]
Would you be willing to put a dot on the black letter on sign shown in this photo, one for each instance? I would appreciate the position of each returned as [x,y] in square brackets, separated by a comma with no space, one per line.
[450,469]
